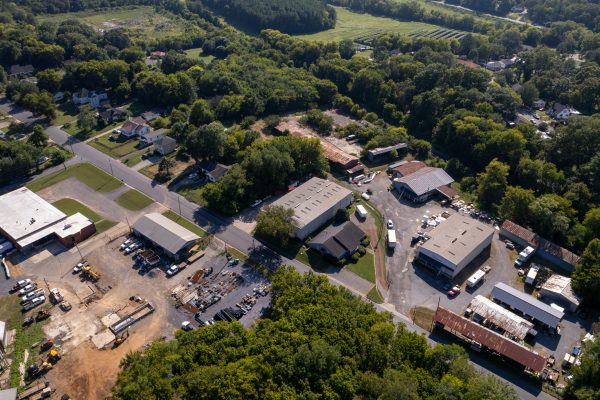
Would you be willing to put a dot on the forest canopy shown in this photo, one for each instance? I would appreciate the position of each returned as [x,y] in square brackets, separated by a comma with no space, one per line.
[317,342]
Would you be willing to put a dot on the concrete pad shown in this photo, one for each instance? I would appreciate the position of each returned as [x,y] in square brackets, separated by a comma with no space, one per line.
[83,291]
[39,257]
[102,339]
[110,319]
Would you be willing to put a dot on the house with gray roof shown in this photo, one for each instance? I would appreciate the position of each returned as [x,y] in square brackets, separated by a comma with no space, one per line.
[423,184]
[338,241]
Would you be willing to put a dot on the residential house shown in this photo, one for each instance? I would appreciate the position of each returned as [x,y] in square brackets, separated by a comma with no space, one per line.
[152,136]
[112,115]
[158,54]
[58,97]
[425,183]
[539,104]
[338,241]
[214,171]
[134,127]
[561,112]
[20,71]
[92,98]
[495,66]
[150,116]
[165,145]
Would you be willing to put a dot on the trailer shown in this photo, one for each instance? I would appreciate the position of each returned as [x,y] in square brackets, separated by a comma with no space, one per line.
[361,211]
[475,279]
[531,275]
[391,238]
[130,319]
[524,256]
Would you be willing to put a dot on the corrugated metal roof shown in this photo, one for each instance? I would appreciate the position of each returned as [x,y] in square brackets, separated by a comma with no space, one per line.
[527,304]
[383,150]
[164,232]
[409,167]
[490,340]
[501,317]
[426,179]
[561,285]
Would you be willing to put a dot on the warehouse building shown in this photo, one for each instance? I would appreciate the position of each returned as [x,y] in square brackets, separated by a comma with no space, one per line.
[527,305]
[454,244]
[545,249]
[314,202]
[28,221]
[424,184]
[557,289]
[166,234]
[494,316]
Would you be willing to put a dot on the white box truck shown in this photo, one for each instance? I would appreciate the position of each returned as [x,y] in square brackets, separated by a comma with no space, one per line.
[475,279]
[524,256]
[531,274]
[391,238]
[361,211]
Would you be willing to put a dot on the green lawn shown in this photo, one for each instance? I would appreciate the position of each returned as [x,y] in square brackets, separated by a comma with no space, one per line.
[73,130]
[351,25]
[196,54]
[375,296]
[117,148]
[65,115]
[130,162]
[134,200]
[88,174]
[365,267]
[186,223]
[192,194]
[71,206]
[10,310]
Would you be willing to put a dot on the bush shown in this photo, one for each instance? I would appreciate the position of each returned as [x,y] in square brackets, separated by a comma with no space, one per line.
[355,257]
[366,241]
[341,215]
[342,262]
[362,251]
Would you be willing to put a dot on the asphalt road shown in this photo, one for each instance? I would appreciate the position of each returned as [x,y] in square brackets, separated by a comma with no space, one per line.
[224,230]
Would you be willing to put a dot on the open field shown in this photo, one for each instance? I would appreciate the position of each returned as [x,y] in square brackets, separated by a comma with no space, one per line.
[196,53]
[189,225]
[142,21]
[134,200]
[351,25]
[117,148]
[88,174]
[72,129]
[364,267]
[71,206]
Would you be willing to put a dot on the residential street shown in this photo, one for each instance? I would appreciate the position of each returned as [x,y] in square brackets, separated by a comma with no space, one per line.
[235,237]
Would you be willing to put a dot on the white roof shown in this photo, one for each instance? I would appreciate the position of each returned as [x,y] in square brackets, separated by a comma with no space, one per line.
[561,285]
[457,237]
[24,213]
[164,232]
[72,225]
[473,279]
[527,304]
[311,199]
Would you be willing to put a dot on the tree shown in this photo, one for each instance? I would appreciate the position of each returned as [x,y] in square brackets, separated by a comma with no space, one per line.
[164,165]
[320,122]
[551,216]
[38,138]
[86,119]
[492,184]
[49,80]
[201,113]
[275,222]
[586,277]
[585,383]
[529,93]
[341,215]
[515,204]
[592,222]
[206,142]
[347,49]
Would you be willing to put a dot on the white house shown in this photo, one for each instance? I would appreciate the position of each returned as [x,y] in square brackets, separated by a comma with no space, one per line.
[134,127]
[562,112]
[92,98]
[152,136]
[495,66]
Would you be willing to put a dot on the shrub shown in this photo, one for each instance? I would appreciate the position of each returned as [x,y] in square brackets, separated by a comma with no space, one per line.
[362,251]
[342,262]
[355,257]
[366,241]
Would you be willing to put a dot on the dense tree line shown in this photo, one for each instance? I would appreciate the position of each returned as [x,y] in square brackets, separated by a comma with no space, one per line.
[317,341]
[290,16]
[586,12]
[63,6]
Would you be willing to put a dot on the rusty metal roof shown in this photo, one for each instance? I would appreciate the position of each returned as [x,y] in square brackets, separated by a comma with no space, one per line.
[490,339]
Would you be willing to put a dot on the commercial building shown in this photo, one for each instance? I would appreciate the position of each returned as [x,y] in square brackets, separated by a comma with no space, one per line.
[314,203]
[407,168]
[494,316]
[480,338]
[454,244]
[527,305]
[423,184]
[339,241]
[27,220]
[166,234]
[545,249]
[557,289]
[8,394]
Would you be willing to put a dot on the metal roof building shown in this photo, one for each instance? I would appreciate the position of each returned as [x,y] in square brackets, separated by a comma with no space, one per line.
[477,334]
[499,316]
[314,203]
[384,151]
[339,241]
[165,233]
[558,289]
[422,184]
[454,244]
[527,305]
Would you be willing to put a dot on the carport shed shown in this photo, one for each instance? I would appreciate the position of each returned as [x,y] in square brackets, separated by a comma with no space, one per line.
[166,234]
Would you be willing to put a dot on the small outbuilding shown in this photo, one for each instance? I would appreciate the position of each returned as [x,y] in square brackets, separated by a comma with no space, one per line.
[557,289]
[384,152]
[168,235]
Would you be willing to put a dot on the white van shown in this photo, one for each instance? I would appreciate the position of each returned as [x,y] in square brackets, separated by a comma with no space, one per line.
[391,237]
[361,211]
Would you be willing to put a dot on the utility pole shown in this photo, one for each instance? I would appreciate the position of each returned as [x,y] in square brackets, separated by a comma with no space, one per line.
[111,170]
[179,203]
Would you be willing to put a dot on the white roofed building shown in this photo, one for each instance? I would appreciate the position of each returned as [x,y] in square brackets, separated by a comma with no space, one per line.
[557,289]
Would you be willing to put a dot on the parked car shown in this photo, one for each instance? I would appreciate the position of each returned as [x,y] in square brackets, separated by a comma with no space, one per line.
[510,245]
[173,269]
[233,262]
[390,224]
[256,203]
[126,244]
[65,305]
[77,269]
[132,248]
[32,295]
[21,284]
[187,326]
[193,176]
[27,289]
[486,268]
[454,291]
[28,321]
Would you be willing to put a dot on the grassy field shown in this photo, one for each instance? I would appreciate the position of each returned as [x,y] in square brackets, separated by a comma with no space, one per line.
[117,148]
[88,174]
[72,129]
[375,296]
[423,317]
[130,162]
[71,206]
[140,21]
[351,25]
[196,53]
[134,200]
[365,267]
[10,310]
[187,224]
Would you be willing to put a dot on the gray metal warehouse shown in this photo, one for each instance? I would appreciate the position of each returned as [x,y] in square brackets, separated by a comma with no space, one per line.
[314,203]
[454,244]
[527,305]
[173,238]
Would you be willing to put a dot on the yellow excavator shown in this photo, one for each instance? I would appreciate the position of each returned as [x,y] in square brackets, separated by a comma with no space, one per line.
[121,338]
[89,273]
